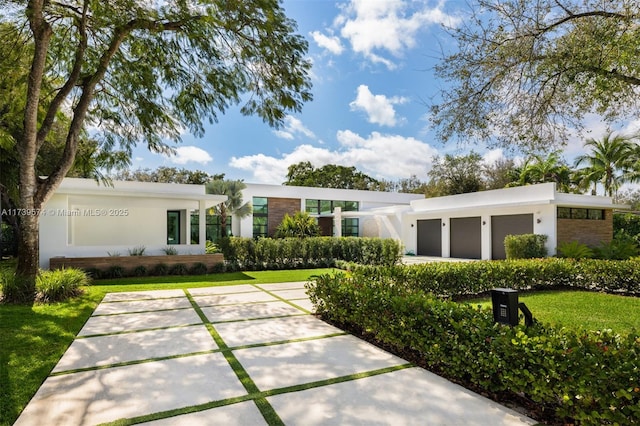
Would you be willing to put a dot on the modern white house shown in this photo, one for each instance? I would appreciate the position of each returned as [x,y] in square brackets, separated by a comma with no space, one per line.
[86,219]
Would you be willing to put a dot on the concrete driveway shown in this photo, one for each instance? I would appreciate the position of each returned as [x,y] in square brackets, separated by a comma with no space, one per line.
[240,355]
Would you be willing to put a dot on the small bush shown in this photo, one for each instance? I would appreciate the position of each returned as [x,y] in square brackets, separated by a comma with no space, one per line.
[137,251]
[60,284]
[113,253]
[525,246]
[198,269]
[622,247]
[179,269]
[170,251]
[218,268]
[140,271]
[12,288]
[94,273]
[114,271]
[160,269]
[575,250]
[211,248]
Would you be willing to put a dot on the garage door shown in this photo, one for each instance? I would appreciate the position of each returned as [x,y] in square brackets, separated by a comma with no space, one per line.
[466,238]
[501,226]
[430,237]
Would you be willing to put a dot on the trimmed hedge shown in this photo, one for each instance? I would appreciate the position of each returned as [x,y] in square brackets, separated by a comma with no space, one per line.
[450,279]
[575,376]
[269,253]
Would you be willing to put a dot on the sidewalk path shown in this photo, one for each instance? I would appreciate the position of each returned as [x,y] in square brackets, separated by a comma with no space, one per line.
[240,355]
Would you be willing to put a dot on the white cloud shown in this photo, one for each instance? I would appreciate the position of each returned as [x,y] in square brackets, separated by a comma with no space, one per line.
[371,26]
[330,43]
[379,108]
[293,127]
[378,155]
[190,154]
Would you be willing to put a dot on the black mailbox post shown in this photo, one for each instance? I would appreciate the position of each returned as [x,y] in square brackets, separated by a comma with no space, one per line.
[505,305]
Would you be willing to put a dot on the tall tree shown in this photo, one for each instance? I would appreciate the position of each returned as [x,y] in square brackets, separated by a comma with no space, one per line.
[329,176]
[142,72]
[167,175]
[457,174]
[552,168]
[613,160]
[234,206]
[524,72]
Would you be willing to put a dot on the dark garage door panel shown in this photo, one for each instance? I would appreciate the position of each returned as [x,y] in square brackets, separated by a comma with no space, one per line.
[466,238]
[501,226]
[430,237]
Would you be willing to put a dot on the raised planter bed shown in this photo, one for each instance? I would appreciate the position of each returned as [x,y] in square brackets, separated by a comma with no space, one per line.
[131,262]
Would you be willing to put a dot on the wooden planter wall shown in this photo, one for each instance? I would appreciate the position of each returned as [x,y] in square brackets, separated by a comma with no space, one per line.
[131,262]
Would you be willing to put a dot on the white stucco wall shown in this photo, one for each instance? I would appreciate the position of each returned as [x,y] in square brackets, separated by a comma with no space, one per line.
[83,219]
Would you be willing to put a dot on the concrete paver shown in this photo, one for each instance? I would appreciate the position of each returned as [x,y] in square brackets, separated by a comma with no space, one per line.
[139,321]
[273,330]
[120,348]
[143,353]
[407,397]
[104,395]
[252,311]
[291,364]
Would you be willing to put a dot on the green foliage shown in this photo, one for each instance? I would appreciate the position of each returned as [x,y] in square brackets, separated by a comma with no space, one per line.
[198,269]
[515,77]
[170,251]
[525,246]
[588,378]
[621,247]
[179,269]
[628,224]
[454,279]
[211,248]
[60,284]
[140,271]
[160,269]
[575,250]
[137,251]
[329,176]
[271,253]
[166,175]
[457,174]
[114,271]
[300,225]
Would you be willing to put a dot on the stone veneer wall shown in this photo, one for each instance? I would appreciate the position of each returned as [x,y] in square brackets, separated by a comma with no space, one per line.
[131,262]
[277,208]
[589,232]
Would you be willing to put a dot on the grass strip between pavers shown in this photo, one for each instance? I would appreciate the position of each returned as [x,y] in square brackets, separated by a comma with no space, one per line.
[265,408]
[146,311]
[282,299]
[115,333]
[253,392]
[257,397]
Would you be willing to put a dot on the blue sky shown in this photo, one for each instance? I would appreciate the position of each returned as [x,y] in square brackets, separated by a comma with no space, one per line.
[373,81]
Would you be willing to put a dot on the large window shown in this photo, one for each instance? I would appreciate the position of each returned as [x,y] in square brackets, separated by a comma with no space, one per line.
[260,217]
[173,227]
[578,213]
[350,227]
[321,207]
[213,228]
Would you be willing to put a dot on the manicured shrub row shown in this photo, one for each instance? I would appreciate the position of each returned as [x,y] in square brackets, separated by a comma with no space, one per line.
[160,269]
[450,279]
[571,376]
[269,253]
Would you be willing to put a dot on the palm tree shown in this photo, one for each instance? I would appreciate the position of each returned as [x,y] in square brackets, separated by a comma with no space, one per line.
[234,204]
[612,162]
[538,169]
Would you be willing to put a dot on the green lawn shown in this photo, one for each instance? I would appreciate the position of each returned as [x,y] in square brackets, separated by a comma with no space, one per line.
[581,309]
[33,338]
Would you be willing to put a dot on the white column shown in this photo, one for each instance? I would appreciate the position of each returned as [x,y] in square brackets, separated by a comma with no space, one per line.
[337,221]
[202,223]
